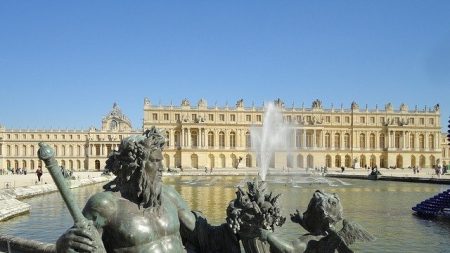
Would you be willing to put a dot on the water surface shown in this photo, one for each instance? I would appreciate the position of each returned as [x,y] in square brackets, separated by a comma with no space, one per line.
[382,207]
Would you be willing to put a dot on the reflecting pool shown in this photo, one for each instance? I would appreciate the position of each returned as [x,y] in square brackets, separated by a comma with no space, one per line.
[382,207]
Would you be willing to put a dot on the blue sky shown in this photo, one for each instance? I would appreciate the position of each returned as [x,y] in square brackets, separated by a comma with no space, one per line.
[64,63]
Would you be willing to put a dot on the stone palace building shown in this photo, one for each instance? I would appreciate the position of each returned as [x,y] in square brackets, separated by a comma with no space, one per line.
[201,136]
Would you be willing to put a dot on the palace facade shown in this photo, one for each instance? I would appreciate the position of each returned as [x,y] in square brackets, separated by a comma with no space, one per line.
[75,149]
[201,136]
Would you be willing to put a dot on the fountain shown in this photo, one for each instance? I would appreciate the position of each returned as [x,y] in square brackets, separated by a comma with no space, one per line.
[270,137]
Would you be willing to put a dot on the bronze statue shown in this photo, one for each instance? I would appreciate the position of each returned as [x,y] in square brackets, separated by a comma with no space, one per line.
[137,213]
[323,212]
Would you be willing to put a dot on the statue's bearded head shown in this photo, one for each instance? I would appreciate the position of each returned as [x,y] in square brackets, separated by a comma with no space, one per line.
[138,168]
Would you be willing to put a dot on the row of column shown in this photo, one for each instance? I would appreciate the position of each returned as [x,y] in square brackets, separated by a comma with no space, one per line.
[102,149]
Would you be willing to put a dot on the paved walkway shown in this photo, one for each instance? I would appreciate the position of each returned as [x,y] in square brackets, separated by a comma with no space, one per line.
[14,181]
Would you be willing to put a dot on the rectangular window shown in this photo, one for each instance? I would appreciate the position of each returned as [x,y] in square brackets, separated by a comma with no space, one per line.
[222,117]
[299,119]
[422,121]
[8,136]
[397,120]
[258,118]
[288,118]
[177,116]
[71,137]
[24,136]
[16,136]
[55,137]
[194,117]
[308,118]
[347,119]
[362,120]
[64,136]
[166,116]
[372,120]
[382,120]
[337,119]
[411,121]
[327,119]
[78,137]
[211,117]
[248,118]
[232,117]
[431,121]
[155,116]
[32,136]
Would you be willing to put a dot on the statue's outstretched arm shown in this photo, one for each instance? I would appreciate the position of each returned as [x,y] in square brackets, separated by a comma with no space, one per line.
[278,245]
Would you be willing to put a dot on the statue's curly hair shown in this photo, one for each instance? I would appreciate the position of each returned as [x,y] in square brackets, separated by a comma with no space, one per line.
[133,150]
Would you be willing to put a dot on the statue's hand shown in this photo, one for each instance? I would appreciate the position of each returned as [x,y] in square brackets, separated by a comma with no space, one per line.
[78,239]
[297,217]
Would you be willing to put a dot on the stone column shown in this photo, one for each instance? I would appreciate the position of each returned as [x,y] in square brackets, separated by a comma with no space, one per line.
[304,139]
[172,138]
[314,139]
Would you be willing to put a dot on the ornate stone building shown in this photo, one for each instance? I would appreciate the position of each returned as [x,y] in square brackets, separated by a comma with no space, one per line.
[212,136]
[75,149]
[201,135]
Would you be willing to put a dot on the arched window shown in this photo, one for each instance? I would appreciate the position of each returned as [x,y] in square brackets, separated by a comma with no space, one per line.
[194,140]
[248,141]
[372,141]
[421,141]
[113,125]
[78,165]
[309,139]
[97,164]
[70,164]
[337,140]
[63,150]
[221,139]
[413,161]
[328,161]
[397,140]
[348,161]
[32,150]
[432,161]
[382,141]
[431,141]
[327,141]
[362,161]
[16,150]
[373,161]
[32,164]
[337,161]
[412,140]
[24,150]
[8,150]
[210,139]
[422,161]
[232,140]
[347,141]
[70,150]
[298,138]
[362,141]
[310,161]
[248,161]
